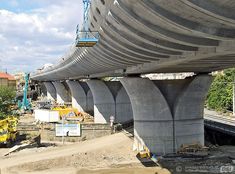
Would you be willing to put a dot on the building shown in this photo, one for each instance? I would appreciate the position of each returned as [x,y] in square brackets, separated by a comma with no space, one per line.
[20,81]
[7,80]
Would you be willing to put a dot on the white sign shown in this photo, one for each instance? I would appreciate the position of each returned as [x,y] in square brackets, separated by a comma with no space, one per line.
[44,115]
[71,130]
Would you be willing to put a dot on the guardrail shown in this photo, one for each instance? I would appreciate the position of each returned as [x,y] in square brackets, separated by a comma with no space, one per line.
[221,124]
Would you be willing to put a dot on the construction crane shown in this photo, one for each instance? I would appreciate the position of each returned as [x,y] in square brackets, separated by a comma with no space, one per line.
[25,104]
[85,37]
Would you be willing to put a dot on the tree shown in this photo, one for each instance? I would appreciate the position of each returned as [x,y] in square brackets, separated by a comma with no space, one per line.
[220,95]
[7,96]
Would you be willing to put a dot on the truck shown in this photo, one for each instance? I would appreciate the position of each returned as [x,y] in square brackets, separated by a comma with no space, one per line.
[8,130]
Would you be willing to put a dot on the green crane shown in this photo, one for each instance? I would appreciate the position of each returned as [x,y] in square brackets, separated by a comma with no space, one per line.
[25,104]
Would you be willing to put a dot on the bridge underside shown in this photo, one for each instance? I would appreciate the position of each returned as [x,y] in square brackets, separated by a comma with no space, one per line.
[149,36]
[166,113]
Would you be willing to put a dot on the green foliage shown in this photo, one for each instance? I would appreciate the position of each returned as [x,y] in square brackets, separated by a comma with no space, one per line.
[7,96]
[221,92]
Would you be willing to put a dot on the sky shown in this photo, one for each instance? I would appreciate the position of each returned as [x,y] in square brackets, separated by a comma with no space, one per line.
[36,32]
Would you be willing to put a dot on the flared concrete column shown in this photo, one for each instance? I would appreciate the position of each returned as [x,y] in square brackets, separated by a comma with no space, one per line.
[90,102]
[41,89]
[110,99]
[123,107]
[153,123]
[104,104]
[189,109]
[167,113]
[51,91]
[61,93]
[79,98]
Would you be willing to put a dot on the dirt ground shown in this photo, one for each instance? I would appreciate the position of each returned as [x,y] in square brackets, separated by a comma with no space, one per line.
[106,155]
[110,154]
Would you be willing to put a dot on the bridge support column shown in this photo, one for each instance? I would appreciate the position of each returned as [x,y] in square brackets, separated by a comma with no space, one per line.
[123,107]
[79,98]
[104,104]
[167,113]
[62,95]
[90,102]
[110,99]
[50,91]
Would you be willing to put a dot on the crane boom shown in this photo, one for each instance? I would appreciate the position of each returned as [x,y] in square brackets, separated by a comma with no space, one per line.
[25,104]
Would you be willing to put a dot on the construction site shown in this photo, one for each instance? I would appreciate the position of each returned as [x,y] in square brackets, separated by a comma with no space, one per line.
[49,137]
[147,86]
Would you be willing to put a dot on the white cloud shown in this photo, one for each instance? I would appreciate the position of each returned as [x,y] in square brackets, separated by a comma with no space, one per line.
[42,35]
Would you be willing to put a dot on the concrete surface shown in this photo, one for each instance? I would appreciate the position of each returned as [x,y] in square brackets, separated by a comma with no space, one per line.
[153,123]
[188,111]
[61,93]
[123,107]
[110,99]
[51,92]
[167,113]
[147,36]
[88,131]
[90,103]
[104,104]
[79,97]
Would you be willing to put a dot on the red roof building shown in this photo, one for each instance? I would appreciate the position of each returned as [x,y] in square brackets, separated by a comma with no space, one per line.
[6,76]
[7,80]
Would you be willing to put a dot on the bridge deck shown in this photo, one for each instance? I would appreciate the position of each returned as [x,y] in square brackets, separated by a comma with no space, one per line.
[147,36]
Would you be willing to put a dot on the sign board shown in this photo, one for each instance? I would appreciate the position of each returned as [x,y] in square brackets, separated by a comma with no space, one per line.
[44,115]
[71,130]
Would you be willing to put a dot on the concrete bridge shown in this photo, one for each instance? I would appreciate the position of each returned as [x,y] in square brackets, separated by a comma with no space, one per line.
[148,36]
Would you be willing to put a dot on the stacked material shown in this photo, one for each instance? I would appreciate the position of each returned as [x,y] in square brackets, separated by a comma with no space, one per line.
[193,149]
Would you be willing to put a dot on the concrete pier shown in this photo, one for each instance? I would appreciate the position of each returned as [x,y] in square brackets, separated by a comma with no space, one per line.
[62,94]
[104,104]
[167,113]
[123,107]
[110,99]
[82,98]
[79,98]
[90,102]
[51,91]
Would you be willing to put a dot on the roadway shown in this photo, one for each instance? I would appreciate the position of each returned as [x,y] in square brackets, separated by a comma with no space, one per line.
[219,122]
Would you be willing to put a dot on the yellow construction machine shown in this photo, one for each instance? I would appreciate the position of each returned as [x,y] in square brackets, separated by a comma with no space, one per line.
[8,130]
[69,113]
[145,153]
